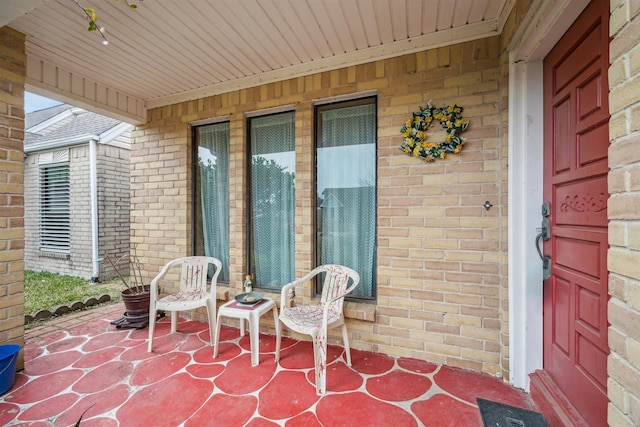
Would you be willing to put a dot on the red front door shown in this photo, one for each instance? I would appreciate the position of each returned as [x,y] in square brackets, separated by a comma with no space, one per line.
[575,184]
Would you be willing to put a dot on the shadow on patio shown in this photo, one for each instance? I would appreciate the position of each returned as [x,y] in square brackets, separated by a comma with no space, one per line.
[83,363]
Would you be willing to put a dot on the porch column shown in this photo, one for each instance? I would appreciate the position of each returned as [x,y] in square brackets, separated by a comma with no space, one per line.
[12,81]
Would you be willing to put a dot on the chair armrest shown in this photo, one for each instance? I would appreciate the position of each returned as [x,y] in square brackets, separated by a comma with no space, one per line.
[286,289]
[164,271]
[154,283]
[284,292]
[291,286]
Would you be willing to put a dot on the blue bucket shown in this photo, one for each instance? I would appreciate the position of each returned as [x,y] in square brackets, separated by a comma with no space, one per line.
[8,359]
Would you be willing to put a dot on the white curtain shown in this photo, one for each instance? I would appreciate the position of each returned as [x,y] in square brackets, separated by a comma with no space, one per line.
[273,199]
[346,190]
[213,161]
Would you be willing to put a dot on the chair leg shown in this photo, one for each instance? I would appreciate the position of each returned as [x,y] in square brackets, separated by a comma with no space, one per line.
[174,321]
[320,360]
[278,339]
[216,340]
[276,324]
[345,339]
[152,325]
[211,313]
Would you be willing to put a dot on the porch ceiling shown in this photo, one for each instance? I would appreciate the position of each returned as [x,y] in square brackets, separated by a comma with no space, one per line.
[168,51]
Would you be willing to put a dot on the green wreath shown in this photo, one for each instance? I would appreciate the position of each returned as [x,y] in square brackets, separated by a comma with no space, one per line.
[415,130]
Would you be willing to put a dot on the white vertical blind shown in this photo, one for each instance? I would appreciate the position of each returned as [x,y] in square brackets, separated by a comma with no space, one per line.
[55,208]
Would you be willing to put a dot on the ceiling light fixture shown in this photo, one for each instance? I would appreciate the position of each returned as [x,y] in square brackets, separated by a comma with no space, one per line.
[93,18]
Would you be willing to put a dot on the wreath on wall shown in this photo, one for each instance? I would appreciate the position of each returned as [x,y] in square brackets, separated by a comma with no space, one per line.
[415,130]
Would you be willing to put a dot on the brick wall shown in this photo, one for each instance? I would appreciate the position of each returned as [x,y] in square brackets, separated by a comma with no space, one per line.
[624,215]
[12,69]
[79,261]
[113,206]
[441,256]
[113,212]
[160,191]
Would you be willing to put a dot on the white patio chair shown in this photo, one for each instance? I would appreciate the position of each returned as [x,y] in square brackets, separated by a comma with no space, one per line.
[192,292]
[316,320]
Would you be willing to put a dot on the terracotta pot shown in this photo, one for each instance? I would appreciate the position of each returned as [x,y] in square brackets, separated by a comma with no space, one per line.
[137,304]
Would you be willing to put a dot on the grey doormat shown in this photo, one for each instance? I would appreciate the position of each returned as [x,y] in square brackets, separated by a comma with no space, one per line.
[496,414]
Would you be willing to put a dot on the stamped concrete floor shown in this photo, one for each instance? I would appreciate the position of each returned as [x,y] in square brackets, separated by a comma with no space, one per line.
[83,364]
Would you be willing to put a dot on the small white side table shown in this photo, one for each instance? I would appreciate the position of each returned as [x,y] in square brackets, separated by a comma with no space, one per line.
[252,314]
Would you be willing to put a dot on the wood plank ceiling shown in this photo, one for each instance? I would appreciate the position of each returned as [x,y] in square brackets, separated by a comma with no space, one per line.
[172,50]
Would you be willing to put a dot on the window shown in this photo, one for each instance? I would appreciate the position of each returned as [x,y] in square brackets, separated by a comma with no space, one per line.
[211,195]
[346,189]
[271,237]
[55,208]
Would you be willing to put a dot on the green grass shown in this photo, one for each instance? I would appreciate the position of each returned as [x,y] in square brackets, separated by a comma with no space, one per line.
[46,291]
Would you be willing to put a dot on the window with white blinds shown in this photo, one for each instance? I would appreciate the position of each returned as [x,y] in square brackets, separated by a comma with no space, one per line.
[55,208]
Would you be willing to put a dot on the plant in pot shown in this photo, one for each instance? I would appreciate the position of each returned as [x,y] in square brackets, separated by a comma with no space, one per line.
[135,295]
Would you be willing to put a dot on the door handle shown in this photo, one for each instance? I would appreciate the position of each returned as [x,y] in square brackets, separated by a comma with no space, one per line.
[544,234]
[538,237]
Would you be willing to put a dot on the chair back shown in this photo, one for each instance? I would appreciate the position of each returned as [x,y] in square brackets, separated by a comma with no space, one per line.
[336,283]
[194,273]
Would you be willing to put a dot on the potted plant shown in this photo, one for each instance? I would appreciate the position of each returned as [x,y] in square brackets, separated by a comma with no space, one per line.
[135,295]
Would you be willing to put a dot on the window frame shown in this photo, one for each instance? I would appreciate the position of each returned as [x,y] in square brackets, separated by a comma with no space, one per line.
[197,227]
[250,264]
[317,133]
[52,239]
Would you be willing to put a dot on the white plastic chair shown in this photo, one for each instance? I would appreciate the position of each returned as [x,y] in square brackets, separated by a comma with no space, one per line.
[316,320]
[192,293]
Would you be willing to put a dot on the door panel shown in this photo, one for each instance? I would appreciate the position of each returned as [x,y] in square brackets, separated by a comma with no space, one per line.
[575,183]
[561,132]
[583,53]
[561,294]
[582,203]
[577,255]
[589,150]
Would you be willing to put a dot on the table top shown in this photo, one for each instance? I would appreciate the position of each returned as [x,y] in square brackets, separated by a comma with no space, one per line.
[264,303]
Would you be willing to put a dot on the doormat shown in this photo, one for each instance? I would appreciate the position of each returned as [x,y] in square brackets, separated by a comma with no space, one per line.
[496,414]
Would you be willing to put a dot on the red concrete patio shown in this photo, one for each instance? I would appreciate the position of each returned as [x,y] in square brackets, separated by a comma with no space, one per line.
[81,362]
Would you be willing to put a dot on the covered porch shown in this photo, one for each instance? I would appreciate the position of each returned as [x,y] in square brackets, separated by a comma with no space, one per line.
[81,362]
[457,280]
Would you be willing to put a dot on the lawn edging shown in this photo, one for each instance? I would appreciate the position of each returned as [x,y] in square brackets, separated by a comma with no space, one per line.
[64,308]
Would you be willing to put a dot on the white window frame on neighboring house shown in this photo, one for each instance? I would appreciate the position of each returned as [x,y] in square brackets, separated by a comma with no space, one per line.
[54,231]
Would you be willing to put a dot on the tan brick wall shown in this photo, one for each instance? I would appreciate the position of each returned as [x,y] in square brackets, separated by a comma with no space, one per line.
[441,274]
[624,205]
[79,261]
[12,70]
[113,211]
[161,190]
[113,205]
